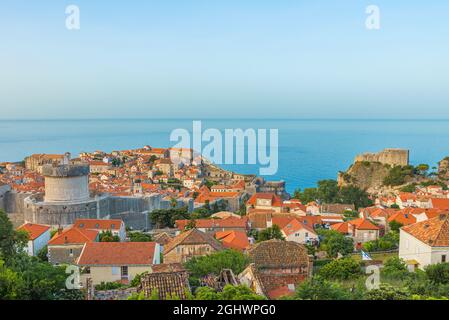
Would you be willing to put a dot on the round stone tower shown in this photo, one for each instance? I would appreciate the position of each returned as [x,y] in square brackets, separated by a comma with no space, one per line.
[66,183]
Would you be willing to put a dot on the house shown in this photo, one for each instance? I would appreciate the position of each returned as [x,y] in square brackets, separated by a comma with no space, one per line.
[276,268]
[192,243]
[166,281]
[298,232]
[99,167]
[117,261]
[66,245]
[265,201]
[403,217]
[233,239]
[426,242]
[38,237]
[116,226]
[361,230]
[214,225]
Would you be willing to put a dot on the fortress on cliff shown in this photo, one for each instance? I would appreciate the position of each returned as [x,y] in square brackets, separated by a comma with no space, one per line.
[393,157]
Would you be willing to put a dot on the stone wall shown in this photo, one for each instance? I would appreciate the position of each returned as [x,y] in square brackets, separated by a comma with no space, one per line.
[393,157]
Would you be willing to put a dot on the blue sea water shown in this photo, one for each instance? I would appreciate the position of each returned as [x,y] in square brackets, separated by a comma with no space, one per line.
[309,150]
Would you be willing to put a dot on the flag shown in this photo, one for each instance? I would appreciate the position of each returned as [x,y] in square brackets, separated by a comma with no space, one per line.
[365,256]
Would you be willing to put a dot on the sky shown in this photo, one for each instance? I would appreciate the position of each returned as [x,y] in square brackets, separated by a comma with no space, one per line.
[224,59]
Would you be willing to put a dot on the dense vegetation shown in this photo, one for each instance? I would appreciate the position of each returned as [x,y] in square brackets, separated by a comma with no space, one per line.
[28,278]
[328,191]
[199,267]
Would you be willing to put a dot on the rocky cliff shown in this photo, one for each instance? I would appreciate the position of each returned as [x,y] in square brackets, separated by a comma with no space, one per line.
[365,175]
[443,169]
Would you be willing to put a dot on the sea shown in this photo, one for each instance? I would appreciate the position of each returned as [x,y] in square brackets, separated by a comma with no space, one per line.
[309,150]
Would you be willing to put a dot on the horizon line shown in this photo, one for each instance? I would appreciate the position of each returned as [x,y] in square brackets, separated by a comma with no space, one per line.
[220,119]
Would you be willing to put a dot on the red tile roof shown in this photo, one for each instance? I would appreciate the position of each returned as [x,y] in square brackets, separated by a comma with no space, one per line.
[342,227]
[440,203]
[363,224]
[233,239]
[117,253]
[276,201]
[434,232]
[74,236]
[34,230]
[294,225]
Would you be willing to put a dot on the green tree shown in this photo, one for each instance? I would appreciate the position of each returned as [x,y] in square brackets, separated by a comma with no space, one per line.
[321,289]
[107,236]
[240,292]
[11,241]
[165,218]
[341,269]
[11,283]
[139,237]
[43,254]
[354,195]
[273,232]
[438,273]
[334,242]
[388,292]
[395,268]
[214,263]
[395,226]
[422,169]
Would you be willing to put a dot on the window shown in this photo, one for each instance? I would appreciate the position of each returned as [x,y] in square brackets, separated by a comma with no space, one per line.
[71,252]
[443,258]
[124,271]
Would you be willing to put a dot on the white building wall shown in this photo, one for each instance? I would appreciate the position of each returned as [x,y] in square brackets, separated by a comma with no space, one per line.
[411,248]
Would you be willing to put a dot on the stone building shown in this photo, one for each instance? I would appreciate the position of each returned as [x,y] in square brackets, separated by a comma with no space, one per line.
[192,243]
[276,268]
[36,161]
[393,157]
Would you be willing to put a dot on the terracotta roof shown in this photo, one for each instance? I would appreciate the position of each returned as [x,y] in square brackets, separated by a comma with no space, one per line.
[276,201]
[342,227]
[434,232]
[278,254]
[101,224]
[34,230]
[117,253]
[191,237]
[440,203]
[74,236]
[166,284]
[402,218]
[294,225]
[363,224]
[233,239]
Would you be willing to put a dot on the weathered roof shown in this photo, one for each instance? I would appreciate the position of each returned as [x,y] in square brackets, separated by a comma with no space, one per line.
[434,232]
[278,254]
[191,237]
[166,284]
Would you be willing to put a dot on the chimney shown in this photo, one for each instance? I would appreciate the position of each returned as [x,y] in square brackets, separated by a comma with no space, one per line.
[59,230]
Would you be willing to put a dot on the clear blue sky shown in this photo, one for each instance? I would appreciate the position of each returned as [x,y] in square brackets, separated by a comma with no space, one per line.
[224,58]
